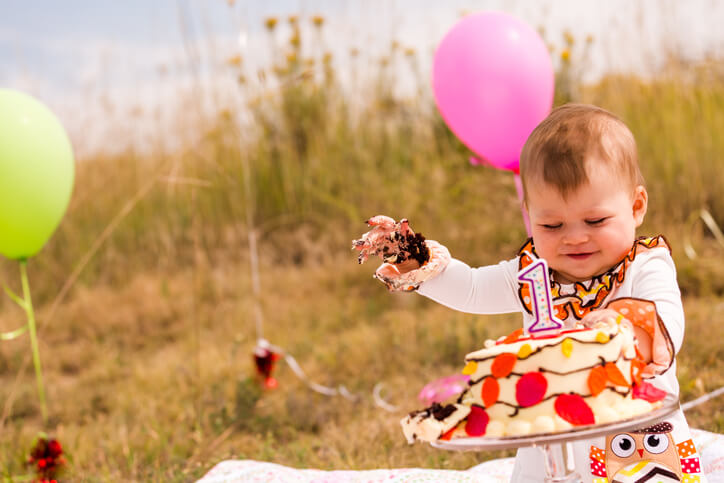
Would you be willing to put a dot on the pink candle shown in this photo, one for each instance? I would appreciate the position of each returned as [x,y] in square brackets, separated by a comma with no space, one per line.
[536,276]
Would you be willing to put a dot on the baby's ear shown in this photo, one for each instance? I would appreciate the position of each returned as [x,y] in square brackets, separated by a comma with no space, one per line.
[640,204]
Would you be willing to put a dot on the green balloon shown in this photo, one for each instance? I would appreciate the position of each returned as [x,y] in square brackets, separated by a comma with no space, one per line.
[36,174]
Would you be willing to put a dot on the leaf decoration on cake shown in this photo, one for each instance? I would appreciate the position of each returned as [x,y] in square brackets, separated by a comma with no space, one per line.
[448,435]
[648,392]
[615,375]
[470,368]
[513,336]
[524,351]
[572,408]
[477,421]
[503,364]
[567,347]
[530,388]
[490,391]
[597,380]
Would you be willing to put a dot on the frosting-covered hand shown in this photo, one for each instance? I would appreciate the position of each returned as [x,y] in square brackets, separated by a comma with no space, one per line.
[394,242]
[391,275]
[408,258]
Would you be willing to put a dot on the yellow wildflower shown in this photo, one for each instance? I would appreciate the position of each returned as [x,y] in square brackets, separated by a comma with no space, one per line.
[270,23]
[295,40]
[234,60]
[568,37]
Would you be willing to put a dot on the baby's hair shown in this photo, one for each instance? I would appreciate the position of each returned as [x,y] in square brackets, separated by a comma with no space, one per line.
[559,148]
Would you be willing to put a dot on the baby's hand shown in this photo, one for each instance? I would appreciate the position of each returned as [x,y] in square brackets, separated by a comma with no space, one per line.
[394,242]
[410,279]
[607,317]
[408,259]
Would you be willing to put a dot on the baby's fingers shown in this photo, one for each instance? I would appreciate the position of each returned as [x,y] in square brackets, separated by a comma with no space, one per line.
[382,221]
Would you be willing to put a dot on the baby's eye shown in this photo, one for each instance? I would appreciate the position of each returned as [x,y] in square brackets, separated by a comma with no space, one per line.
[596,221]
[551,226]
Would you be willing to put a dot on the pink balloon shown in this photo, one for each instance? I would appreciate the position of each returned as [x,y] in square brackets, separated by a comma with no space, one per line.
[493,82]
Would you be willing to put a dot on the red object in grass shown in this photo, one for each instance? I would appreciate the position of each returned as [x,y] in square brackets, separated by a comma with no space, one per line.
[648,392]
[572,408]
[530,388]
[47,458]
[265,360]
[477,421]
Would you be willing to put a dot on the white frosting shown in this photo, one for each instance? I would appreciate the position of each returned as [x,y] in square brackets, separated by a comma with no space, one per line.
[425,427]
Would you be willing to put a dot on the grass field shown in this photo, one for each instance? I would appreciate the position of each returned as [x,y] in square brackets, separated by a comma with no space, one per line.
[147,355]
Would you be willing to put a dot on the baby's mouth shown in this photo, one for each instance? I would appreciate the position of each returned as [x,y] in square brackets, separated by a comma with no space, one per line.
[579,256]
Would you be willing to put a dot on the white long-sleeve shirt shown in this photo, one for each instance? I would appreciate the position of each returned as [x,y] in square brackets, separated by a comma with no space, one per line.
[494,289]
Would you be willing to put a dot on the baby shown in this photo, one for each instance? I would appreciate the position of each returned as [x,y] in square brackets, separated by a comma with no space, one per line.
[585,197]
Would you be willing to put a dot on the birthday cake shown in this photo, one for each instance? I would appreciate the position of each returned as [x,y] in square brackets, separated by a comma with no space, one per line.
[521,385]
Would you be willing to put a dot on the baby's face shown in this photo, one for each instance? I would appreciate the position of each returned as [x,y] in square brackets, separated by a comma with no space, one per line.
[591,230]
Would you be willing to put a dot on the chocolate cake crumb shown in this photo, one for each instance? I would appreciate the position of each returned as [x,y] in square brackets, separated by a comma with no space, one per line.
[440,412]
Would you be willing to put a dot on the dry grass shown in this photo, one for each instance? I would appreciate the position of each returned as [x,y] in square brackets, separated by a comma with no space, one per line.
[148,359]
[126,377]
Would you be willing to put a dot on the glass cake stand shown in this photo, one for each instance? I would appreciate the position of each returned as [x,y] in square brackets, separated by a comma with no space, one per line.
[554,446]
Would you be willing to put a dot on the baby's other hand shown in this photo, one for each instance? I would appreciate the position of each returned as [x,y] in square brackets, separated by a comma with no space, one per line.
[601,318]
[608,317]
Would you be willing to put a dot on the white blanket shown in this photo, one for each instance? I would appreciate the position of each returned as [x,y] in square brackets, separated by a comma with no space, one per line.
[710,446]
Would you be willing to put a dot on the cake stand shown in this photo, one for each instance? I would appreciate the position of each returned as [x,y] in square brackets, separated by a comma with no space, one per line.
[558,466]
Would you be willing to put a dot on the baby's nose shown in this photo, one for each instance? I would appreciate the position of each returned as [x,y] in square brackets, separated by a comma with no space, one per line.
[575,236]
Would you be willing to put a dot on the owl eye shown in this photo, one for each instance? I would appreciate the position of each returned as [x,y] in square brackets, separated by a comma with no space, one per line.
[623,445]
[656,443]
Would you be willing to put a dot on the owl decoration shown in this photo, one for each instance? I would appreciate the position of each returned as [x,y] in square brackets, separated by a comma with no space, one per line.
[645,455]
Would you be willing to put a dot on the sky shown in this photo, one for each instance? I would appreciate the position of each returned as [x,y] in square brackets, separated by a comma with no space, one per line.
[93,60]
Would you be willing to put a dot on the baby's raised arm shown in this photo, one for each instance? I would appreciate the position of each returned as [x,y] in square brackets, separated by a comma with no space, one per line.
[411,262]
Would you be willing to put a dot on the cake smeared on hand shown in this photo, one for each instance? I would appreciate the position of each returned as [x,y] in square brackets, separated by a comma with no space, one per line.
[408,258]
[394,242]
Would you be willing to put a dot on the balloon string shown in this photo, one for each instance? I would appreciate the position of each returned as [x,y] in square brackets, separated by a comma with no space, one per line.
[521,200]
[28,305]
[340,390]
[702,399]
[475,161]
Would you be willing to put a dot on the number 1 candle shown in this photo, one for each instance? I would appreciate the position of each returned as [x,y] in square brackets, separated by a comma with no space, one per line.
[536,276]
